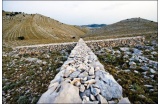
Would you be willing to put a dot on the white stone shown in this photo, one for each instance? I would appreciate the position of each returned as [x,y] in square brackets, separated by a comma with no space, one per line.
[152,71]
[67,80]
[78,84]
[68,71]
[154,53]
[31,59]
[95,91]
[124,49]
[83,75]
[82,88]
[148,86]
[97,68]
[53,85]
[90,81]
[92,97]
[101,99]
[74,74]
[61,95]
[85,98]
[91,71]
[111,102]
[124,101]
[75,80]
[132,65]
[136,71]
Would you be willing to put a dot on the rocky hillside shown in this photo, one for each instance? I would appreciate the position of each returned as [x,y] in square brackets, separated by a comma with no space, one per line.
[25,29]
[128,27]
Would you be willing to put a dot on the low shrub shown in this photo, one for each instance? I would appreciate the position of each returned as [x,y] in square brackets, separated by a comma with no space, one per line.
[21,38]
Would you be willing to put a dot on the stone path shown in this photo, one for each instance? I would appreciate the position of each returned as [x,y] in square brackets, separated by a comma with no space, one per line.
[83,79]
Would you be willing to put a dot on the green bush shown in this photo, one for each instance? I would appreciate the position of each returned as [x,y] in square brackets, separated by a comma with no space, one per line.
[110,58]
[23,100]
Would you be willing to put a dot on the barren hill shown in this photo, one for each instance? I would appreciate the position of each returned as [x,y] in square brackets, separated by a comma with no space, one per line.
[128,27]
[36,29]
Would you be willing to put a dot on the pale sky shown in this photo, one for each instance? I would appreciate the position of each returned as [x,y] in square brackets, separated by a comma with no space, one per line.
[86,12]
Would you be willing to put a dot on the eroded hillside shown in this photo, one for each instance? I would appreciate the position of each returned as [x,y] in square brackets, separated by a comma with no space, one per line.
[36,29]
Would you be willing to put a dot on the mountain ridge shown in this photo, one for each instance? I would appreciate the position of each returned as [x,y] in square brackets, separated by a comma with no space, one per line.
[127,27]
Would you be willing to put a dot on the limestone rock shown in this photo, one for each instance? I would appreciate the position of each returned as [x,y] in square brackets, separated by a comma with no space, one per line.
[77,83]
[68,71]
[90,81]
[91,71]
[74,74]
[154,53]
[97,68]
[85,98]
[85,93]
[92,97]
[66,93]
[83,75]
[124,101]
[95,91]
[75,80]
[82,88]
[90,77]
[67,80]
[132,65]
[101,99]
[53,85]
[105,90]
[58,77]
[111,102]
[48,96]
[152,71]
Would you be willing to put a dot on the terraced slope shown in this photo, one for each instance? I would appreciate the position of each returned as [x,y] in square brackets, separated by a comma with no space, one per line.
[128,27]
[37,29]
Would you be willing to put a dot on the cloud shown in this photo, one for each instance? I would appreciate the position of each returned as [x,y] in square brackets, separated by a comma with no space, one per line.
[86,12]
[115,5]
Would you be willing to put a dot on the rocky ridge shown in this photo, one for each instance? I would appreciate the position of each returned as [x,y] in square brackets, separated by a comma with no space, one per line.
[83,79]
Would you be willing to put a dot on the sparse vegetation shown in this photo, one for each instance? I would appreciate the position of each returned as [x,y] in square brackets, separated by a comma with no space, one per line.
[26,77]
[133,80]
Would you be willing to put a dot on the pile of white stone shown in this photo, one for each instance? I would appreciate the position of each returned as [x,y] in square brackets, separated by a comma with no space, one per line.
[82,79]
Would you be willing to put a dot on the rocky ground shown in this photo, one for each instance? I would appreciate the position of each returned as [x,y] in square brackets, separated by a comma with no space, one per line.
[26,77]
[135,69]
[83,79]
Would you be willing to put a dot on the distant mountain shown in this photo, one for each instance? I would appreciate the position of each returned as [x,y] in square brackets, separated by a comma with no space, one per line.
[92,26]
[127,27]
[24,29]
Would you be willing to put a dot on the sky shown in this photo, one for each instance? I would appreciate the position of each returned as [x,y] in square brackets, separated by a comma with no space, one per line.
[86,12]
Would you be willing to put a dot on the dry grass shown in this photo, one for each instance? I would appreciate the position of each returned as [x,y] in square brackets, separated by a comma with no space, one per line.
[37,29]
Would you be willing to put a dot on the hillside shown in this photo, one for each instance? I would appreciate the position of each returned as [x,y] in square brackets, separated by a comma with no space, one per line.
[28,29]
[128,27]
[36,29]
